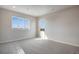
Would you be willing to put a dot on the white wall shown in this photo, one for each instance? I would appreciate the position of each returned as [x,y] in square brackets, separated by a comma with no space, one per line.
[8,34]
[63,26]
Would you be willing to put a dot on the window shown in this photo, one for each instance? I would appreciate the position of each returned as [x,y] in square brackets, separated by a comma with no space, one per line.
[21,23]
[42,27]
[42,23]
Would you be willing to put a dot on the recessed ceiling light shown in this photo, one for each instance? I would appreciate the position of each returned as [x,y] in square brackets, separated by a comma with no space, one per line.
[13,7]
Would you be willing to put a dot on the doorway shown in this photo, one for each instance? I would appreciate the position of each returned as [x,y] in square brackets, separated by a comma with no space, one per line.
[42,29]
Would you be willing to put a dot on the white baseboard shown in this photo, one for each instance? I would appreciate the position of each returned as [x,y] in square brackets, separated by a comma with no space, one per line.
[76,45]
[22,38]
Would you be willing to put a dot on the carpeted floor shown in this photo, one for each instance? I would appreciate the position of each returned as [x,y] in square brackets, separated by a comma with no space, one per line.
[35,46]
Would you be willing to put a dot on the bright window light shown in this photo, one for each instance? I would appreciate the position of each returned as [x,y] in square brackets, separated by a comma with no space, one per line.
[43,35]
[42,27]
[42,23]
[20,23]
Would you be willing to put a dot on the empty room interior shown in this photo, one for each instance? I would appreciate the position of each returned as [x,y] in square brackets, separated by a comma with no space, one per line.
[39,29]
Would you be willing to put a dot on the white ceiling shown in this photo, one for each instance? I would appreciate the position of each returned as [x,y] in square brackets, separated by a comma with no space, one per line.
[35,10]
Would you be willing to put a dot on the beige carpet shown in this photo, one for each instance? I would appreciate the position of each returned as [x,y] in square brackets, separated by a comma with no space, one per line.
[34,46]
